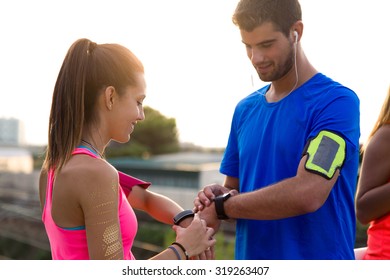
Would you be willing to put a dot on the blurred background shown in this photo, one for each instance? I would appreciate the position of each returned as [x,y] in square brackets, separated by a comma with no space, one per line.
[196,71]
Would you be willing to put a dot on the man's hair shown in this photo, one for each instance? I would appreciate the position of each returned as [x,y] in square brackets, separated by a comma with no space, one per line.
[250,14]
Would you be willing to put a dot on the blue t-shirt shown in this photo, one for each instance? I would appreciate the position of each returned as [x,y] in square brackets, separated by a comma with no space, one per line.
[265,146]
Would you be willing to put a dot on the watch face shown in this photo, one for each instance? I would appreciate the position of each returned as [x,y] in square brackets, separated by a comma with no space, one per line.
[226,195]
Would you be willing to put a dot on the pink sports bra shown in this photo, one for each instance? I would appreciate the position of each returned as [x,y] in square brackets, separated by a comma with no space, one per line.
[71,244]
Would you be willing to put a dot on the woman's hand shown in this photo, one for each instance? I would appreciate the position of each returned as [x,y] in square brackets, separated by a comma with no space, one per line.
[196,238]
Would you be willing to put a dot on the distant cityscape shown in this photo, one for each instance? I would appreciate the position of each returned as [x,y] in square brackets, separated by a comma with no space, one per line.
[14,156]
[11,132]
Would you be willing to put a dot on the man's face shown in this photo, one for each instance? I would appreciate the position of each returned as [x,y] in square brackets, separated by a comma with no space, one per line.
[271,53]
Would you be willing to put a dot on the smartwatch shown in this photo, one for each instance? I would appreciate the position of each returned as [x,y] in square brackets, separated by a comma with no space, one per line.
[182,215]
[219,201]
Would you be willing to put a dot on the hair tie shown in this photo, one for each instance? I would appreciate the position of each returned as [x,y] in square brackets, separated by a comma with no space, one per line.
[182,248]
[175,251]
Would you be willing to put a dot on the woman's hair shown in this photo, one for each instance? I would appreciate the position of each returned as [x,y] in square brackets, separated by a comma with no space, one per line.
[383,118]
[88,68]
[250,14]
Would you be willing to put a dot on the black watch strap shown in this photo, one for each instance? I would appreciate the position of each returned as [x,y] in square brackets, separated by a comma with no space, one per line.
[219,208]
[182,215]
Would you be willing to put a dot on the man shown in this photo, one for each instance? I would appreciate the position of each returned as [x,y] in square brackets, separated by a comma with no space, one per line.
[292,154]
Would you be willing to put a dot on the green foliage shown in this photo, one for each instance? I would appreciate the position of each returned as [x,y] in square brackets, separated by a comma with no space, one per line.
[132,149]
[16,250]
[155,135]
[157,132]
[153,232]
[361,235]
[224,249]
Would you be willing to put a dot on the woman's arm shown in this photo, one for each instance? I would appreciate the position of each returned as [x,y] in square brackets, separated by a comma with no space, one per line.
[160,207]
[163,209]
[373,194]
[99,199]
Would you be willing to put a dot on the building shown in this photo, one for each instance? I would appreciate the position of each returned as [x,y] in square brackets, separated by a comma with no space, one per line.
[16,160]
[178,176]
[11,132]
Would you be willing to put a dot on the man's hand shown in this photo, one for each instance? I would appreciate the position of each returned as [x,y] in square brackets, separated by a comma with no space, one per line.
[209,254]
[206,196]
[210,216]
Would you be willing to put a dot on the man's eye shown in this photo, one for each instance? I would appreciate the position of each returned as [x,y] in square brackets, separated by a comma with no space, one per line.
[266,45]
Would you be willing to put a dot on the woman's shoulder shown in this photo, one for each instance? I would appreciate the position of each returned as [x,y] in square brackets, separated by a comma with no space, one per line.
[86,174]
[383,133]
[380,140]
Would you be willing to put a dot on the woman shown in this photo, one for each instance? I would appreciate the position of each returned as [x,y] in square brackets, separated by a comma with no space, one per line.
[373,194]
[97,98]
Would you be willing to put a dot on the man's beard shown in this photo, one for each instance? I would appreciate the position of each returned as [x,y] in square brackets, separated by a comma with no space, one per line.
[281,70]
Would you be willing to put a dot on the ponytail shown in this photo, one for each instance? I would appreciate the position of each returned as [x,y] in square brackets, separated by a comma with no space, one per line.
[67,111]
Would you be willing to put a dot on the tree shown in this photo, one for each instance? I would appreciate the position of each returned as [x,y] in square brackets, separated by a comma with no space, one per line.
[155,135]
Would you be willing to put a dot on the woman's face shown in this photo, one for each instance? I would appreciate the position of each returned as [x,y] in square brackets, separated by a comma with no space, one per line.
[127,111]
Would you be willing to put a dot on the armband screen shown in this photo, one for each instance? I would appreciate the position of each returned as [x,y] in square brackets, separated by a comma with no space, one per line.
[326,154]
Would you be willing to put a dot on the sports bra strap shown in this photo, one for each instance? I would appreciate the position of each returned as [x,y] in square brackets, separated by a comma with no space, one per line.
[84,151]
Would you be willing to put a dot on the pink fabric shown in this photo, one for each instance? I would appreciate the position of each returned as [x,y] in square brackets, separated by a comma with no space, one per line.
[127,182]
[72,244]
[378,241]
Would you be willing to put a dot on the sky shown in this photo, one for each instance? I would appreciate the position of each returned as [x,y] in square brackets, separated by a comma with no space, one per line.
[196,66]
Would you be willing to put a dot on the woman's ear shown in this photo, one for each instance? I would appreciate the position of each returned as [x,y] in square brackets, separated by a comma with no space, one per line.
[109,97]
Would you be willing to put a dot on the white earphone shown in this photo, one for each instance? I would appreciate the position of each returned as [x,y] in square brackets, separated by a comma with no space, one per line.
[296,36]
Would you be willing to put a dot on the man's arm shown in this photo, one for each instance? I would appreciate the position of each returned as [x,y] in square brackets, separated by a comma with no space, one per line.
[304,193]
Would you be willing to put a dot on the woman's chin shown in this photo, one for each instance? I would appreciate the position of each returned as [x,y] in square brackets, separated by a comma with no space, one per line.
[122,140]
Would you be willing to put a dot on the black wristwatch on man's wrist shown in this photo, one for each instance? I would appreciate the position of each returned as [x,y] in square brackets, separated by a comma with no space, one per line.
[182,215]
[219,208]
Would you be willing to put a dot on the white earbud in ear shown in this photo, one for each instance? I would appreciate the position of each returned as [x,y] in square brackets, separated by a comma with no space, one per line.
[296,36]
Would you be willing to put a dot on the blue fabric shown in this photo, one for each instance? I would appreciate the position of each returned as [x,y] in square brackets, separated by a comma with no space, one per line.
[265,146]
[74,228]
[89,149]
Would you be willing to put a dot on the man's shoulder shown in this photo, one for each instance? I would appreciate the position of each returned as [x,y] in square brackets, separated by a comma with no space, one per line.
[331,86]
[326,90]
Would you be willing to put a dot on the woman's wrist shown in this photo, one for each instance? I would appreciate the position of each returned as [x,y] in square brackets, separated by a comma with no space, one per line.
[182,216]
[181,249]
[175,251]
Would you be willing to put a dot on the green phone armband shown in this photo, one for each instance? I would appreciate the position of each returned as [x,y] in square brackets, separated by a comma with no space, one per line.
[326,153]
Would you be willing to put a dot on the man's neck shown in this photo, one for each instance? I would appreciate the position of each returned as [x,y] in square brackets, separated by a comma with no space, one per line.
[291,81]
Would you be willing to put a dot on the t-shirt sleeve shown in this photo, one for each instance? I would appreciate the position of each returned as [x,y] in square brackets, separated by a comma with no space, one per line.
[340,114]
[230,161]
